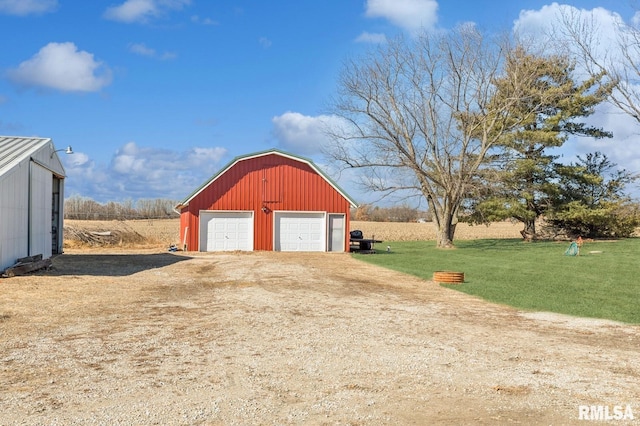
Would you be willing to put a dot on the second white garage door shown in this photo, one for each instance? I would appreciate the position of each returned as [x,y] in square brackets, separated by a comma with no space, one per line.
[226,231]
[297,231]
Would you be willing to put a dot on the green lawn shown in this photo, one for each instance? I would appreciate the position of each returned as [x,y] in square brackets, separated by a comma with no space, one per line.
[533,276]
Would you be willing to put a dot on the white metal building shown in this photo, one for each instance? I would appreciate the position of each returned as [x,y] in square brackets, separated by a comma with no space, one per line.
[31,199]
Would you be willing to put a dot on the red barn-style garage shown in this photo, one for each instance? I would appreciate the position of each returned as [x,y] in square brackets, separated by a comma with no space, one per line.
[269,200]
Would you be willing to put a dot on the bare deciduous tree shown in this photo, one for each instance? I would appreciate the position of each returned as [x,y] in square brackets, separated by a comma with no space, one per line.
[620,61]
[84,208]
[421,115]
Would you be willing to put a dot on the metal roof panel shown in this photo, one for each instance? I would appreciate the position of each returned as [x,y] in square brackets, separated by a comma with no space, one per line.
[14,149]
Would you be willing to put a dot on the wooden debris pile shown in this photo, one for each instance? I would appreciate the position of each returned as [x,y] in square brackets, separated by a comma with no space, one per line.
[25,265]
[120,234]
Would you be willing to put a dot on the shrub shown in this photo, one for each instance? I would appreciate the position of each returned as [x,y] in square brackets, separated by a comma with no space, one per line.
[607,220]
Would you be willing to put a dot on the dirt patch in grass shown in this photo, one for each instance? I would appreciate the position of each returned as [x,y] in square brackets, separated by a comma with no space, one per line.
[148,337]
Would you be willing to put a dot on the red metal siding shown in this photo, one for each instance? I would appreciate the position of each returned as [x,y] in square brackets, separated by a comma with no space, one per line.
[271,181]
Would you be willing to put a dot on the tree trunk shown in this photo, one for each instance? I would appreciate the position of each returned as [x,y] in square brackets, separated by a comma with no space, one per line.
[529,231]
[445,230]
[445,219]
[443,240]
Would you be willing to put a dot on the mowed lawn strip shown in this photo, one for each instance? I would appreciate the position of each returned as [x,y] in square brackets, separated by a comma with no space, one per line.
[532,276]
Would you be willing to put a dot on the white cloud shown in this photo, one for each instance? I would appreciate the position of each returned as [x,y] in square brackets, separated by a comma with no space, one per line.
[132,11]
[541,26]
[77,159]
[130,159]
[203,156]
[62,66]
[142,172]
[412,15]
[166,56]
[83,175]
[143,50]
[264,42]
[27,7]
[143,10]
[375,38]
[203,21]
[302,134]
[622,149]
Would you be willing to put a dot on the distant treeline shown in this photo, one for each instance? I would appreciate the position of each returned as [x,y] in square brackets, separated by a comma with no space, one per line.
[400,213]
[85,208]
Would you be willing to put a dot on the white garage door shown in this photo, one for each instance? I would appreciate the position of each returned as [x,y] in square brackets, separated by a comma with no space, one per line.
[226,231]
[298,231]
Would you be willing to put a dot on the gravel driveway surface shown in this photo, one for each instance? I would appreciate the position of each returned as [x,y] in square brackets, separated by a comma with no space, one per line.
[149,337]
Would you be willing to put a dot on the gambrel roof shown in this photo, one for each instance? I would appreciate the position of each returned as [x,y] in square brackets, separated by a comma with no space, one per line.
[237,159]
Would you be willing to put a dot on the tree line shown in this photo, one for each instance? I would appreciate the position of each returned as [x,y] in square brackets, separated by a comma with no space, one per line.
[399,213]
[470,122]
[84,208]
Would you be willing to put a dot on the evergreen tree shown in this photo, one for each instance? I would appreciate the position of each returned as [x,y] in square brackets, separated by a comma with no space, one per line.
[522,181]
[592,201]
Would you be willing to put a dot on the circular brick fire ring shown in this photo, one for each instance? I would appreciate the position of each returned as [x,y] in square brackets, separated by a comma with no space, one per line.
[448,277]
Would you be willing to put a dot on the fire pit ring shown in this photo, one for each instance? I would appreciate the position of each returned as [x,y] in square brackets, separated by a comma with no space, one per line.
[448,277]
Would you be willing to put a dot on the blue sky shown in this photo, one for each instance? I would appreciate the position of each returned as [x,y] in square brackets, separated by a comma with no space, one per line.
[155,96]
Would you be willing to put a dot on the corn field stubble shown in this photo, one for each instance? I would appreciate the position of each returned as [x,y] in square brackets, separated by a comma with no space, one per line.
[162,233]
[399,231]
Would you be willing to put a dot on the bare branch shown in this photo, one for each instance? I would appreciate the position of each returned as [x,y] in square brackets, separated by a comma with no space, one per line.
[419,116]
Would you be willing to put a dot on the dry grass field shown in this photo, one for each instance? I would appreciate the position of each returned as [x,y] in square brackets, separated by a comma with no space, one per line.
[164,232]
[124,234]
[395,231]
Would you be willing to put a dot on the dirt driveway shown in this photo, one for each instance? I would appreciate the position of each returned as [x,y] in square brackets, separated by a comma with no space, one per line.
[275,338]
